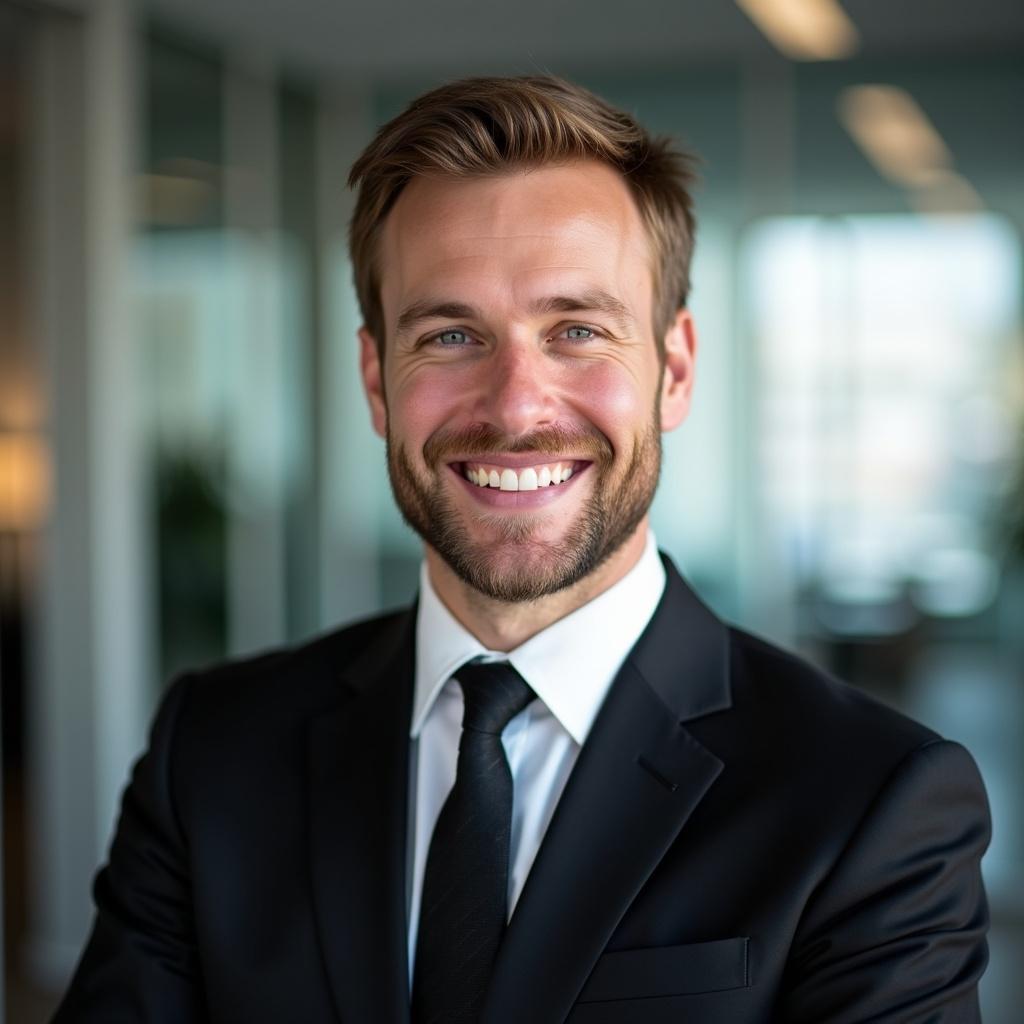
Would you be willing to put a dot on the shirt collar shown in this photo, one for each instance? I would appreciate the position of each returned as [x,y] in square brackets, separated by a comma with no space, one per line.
[570,665]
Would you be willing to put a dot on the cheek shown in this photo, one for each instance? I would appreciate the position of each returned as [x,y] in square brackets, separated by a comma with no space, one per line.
[613,399]
[421,404]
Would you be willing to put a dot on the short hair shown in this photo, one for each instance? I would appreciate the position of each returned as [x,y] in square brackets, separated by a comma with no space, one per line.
[483,126]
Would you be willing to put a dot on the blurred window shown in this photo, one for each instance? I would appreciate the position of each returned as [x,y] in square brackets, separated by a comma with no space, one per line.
[887,396]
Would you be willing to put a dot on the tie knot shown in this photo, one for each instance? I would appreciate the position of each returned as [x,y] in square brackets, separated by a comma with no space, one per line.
[494,693]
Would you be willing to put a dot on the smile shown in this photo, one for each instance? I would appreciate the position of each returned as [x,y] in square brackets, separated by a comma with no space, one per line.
[523,486]
[524,478]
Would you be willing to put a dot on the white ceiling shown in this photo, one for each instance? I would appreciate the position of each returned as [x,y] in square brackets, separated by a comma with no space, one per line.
[397,39]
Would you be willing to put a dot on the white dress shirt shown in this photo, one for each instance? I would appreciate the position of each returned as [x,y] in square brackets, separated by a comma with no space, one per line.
[570,666]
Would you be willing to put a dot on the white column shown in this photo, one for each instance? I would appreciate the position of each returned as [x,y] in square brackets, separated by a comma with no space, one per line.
[120,577]
[767,589]
[353,474]
[257,473]
[93,688]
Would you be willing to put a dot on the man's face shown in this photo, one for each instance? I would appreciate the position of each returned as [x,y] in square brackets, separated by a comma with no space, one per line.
[522,396]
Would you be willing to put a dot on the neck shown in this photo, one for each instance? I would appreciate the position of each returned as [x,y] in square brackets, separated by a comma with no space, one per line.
[503,626]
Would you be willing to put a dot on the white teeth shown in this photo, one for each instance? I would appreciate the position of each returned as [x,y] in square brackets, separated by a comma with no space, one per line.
[527,479]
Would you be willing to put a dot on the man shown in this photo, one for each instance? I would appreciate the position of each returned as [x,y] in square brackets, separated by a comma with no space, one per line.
[557,788]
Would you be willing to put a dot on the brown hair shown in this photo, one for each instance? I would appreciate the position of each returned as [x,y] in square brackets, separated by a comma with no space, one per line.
[481,126]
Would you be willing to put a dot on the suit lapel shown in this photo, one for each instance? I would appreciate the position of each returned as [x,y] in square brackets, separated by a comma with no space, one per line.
[358,784]
[638,778]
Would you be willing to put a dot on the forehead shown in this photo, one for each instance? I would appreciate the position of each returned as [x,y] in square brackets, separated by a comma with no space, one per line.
[508,239]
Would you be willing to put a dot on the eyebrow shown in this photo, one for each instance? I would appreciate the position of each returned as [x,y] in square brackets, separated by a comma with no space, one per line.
[594,300]
[420,311]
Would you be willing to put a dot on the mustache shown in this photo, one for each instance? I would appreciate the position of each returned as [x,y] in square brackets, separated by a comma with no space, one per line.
[483,439]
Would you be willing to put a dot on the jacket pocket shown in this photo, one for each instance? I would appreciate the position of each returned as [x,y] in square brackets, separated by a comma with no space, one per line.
[669,971]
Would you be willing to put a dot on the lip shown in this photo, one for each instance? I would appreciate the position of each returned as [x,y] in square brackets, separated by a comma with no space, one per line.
[493,497]
[519,461]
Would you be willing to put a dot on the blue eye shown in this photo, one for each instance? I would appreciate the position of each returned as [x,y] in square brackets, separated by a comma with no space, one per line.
[452,338]
[579,333]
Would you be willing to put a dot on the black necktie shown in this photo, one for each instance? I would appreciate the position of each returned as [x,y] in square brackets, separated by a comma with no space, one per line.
[465,884]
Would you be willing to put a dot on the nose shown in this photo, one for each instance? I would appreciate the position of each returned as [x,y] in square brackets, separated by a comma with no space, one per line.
[518,389]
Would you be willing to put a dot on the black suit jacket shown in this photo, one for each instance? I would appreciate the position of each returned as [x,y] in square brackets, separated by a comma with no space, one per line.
[742,839]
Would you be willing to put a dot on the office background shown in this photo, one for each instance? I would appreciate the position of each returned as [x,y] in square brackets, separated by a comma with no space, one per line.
[187,470]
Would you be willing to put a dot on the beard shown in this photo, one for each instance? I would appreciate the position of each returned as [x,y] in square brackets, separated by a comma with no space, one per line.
[515,565]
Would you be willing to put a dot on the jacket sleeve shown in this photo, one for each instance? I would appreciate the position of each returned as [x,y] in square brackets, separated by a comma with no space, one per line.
[896,931]
[141,960]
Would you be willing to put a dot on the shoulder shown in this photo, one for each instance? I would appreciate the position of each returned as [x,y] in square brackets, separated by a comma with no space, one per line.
[838,768]
[767,713]
[320,659]
[807,735]
[277,688]
[788,692]
[227,731]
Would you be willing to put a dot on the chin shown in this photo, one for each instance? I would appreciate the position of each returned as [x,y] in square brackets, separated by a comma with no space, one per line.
[512,584]
[520,568]
[517,558]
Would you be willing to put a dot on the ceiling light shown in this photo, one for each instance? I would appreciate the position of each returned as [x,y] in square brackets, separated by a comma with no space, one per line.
[804,29]
[895,134]
[948,192]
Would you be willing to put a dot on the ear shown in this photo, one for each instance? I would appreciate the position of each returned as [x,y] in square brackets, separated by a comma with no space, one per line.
[677,378]
[373,381]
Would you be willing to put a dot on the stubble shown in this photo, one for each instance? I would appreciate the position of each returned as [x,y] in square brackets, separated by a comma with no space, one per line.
[514,565]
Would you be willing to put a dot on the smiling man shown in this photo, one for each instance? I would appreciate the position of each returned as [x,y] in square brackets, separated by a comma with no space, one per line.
[557,787]
[520,386]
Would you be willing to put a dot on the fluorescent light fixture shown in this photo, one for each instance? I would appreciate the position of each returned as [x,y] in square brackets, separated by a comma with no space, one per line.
[804,29]
[948,192]
[895,134]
